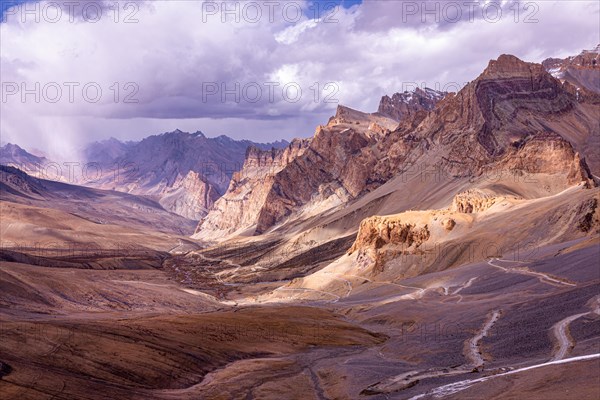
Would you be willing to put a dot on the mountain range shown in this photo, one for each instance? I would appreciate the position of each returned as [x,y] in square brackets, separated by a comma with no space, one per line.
[444,245]
[184,172]
[515,118]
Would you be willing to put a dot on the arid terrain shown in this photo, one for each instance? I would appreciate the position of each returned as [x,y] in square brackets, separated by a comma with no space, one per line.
[445,246]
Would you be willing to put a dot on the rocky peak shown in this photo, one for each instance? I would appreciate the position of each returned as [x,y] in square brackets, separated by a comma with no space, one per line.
[347,118]
[408,103]
[582,70]
[585,59]
[347,115]
[476,200]
[14,150]
[510,101]
[10,148]
[256,157]
[509,66]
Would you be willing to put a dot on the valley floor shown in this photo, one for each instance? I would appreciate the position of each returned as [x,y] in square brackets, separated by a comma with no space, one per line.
[493,329]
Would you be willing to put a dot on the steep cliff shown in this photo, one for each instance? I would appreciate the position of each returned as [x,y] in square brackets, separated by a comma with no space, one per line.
[238,210]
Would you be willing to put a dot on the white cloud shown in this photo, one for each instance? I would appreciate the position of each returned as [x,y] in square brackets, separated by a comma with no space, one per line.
[291,34]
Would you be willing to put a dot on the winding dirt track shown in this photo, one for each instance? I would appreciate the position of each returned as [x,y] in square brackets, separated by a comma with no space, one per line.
[473,353]
[408,379]
[561,331]
[544,278]
[456,387]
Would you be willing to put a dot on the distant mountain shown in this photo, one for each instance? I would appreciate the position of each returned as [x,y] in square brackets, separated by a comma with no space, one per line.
[13,155]
[106,151]
[185,172]
[582,70]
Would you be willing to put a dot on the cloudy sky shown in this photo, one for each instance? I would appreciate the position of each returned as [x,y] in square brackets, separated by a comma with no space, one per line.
[262,70]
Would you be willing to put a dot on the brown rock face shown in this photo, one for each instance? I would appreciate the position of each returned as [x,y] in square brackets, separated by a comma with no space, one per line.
[401,105]
[508,87]
[589,213]
[508,102]
[240,207]
[189,196]
[473,201]
[380,238]
[331,167]
[548,153]
[375,232]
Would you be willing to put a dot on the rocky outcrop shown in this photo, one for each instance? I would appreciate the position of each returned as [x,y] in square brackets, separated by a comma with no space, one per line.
[589,216]
[382,238]
[347,117]
[548,153]
[402,105]
[376,232]
[473,201]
